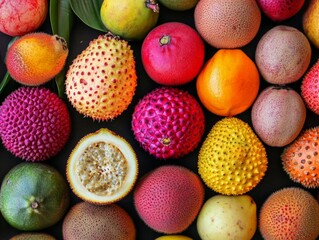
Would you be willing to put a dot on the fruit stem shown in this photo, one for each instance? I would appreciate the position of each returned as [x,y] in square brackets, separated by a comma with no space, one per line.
[165,40]
[151,4]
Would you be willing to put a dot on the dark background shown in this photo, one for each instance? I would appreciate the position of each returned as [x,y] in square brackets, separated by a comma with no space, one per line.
[274,179]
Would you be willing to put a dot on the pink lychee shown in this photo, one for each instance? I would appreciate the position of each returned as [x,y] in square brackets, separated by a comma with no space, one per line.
[34,123]
[169,198]
[168,122]
[310,88]
[280,10]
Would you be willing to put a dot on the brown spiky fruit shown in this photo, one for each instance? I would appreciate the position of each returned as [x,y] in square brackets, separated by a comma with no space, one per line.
[101,81]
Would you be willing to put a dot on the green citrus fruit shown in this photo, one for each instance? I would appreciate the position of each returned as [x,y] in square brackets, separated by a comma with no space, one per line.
[179,5]
[33,196]
[131,20]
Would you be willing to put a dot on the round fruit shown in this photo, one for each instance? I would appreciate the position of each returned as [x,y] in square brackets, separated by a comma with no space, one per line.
[32,236]
[101,81]
[228,83]
[278,115]
[173,237]
[18,17]
[310,88]
[227,217]
[87,221]
[168,123]
[169,198]
[310,22]
[283,55]
[280,10]
[232,160]
[290,213]
[179,5]
[102,168]
[173,54]
[227,23]
[301,158]
[35,123]
[131,20]
[33,196]
[36,58]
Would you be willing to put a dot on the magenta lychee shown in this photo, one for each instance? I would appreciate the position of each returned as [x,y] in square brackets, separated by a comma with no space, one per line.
[34,123]
[310,88]
[169,198]
[168,123]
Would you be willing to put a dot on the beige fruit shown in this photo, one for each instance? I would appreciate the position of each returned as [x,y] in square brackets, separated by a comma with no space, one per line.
[227,23]
[283,55]
[227,217]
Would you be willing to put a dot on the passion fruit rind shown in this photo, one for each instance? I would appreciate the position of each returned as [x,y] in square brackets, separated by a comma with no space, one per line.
[102,168]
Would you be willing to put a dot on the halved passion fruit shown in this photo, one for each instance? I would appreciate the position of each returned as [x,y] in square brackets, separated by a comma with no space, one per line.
[102,168]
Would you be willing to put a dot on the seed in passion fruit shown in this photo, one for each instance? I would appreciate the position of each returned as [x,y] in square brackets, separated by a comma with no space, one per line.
[102,168]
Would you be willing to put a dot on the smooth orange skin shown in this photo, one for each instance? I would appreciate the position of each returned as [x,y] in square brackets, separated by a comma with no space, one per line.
[228,83]
[310,22]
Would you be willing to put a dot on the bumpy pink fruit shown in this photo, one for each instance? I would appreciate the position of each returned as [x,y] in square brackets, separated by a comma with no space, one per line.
[280,10]
[18,17]
[168,123]
[169,198]
[310,88]
[34,123]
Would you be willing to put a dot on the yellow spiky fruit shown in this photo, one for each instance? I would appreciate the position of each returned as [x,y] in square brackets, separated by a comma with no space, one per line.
[102,79]
[232,160]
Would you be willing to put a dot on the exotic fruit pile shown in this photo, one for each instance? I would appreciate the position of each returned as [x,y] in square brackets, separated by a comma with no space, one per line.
[159,119]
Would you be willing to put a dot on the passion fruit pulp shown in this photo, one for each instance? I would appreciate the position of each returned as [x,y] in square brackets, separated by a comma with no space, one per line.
[102,168]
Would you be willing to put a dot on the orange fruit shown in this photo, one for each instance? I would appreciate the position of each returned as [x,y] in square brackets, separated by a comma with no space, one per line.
[227,23]
[228,83]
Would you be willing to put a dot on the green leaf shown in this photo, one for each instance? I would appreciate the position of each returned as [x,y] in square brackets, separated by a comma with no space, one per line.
[61,19]
[89,13]
[5,81]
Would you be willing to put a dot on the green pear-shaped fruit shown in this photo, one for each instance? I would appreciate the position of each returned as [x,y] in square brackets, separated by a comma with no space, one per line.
[131,20]
[227,217]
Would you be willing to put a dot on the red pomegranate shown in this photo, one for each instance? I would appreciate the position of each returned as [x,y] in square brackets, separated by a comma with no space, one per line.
[173,54]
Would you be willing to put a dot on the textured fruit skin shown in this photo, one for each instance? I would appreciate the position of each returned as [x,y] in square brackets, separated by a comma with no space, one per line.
[289,213]
[33,196]
[169,198]
[280,10]
[35,58]
[107,136]
[168,123]
[173,237]
[227,23]
[310,22]
[87,221]
[227,217]
[301,158]
[32,236]
[101,81]
[18,17]
[228,83]
[131,20]
[232,160]
[283,55]
[179,5]
[35,123]
[173,54]
[310,88]
[278,115]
